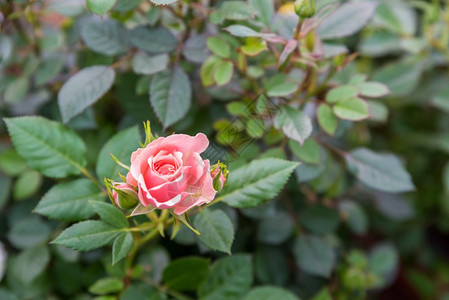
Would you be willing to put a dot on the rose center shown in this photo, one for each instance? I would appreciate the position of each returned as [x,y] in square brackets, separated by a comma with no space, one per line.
[165,169]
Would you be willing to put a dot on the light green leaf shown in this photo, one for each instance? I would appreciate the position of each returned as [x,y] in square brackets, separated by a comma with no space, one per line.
[354,109]
[223,72]
[122,245]
[373,89]
[87,235]
[186,274]
[47,146]
[104,36]
[68,201]
[219,46]
[383,172]
[147,65]
[383,260]
[27,184]
[230,278]
[84,89]
[100,7]
[347,19]
[326,118]
[279,85]
[257,182]
[309,152]
[270,293]
[171,95]
[11,163]
[105,286]
[121,145]
[264,10]
[377,111]
[110,214]
[207,71]
[163,2]
[314,256]
[244,31]
[217,231]
[341,93]
[153,41]
[294,123]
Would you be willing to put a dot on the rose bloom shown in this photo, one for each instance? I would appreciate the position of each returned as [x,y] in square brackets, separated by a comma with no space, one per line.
[170,173]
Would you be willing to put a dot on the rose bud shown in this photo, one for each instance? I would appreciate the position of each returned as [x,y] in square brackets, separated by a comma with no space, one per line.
[219,175]
[124,195]
[305,8]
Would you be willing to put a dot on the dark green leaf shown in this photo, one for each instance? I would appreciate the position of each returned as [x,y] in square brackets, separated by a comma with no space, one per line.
[294,123]
[122,245]
[217,231]
[186,274]
[153,41]
[105,36]
[314,256]
[270,293]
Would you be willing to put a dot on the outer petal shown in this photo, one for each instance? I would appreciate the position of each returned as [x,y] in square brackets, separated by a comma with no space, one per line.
[203,192]
[185,143]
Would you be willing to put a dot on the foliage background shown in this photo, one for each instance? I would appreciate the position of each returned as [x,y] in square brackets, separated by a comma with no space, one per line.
[327,235]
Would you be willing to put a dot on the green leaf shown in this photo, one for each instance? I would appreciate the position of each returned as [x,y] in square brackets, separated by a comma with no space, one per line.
[377,111]
[219,46]
[27,184]
[373,89]
[110,214]
[354,109]
[275,228]
[16,91]
[230,278]
[236,10]
[47,146]
[309,152]
[122,245]
[223,72]
[244,31]
[87,235]
[207,71]
[121,145]
[100,7]
[327,119]
[153,41]
[163,2]
[126,5]
[264,10]
[294,123]
[324,294]
[401,77]
[354,215]
[171,95]
[383,260]
[347,19]
[279,86]
[84,89]
[257,182]
[217,231]
[253,46]
[48,69]
[147,65]
[270,293]
[69,201]
[314,256]
[105,286]
[319,219]
[5,186]
[383,172]
[137,291]
[11,163]
[29,232]
[186,274]
[341,93]
[104,36]
[31,263]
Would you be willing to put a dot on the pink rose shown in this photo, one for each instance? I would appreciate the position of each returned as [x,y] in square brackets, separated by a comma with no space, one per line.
[124,195]
[170,173]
